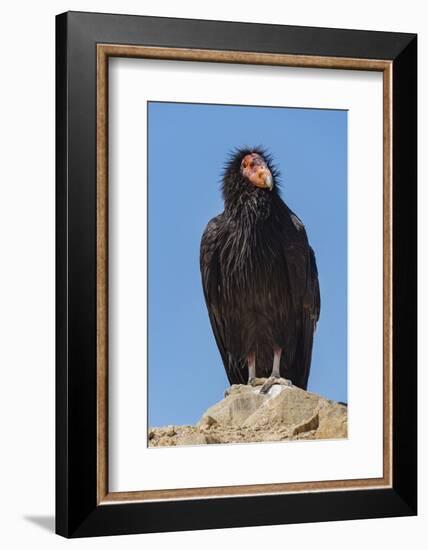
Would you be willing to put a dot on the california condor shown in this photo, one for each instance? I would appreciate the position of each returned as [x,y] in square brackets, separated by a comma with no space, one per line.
[260,278]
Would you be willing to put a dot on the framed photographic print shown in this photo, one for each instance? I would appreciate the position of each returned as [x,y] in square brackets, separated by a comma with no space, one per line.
[236,274]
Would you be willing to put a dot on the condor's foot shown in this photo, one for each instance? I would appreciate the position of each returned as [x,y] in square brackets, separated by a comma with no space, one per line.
[256,381]
[272,381]
[267,383]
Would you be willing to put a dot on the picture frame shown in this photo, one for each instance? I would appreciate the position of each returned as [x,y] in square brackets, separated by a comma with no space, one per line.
[84,44]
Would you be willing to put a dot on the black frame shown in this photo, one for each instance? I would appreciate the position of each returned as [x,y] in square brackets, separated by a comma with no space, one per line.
[77,513]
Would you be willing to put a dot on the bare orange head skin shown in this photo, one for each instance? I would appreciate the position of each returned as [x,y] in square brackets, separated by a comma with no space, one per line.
[256,171]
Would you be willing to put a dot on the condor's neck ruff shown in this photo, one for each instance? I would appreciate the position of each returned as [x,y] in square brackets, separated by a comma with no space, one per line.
[249,203]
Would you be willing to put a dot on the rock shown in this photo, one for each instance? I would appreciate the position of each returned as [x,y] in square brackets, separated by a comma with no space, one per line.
[210,439]
[290,406]
[191,438]
[206,422]
[236,407]
[307,425]
[333,422]
[246,415]
[169,431]
[163,441]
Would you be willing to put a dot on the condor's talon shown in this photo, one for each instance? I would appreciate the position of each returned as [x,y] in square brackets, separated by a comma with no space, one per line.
[254,381]
[268,384]
[284,382]
[274,380]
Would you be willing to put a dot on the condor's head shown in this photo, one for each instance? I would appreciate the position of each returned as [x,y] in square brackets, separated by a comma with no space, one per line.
[249,173]
[255,170]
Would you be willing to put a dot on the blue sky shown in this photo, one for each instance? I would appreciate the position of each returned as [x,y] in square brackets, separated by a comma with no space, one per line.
[188,144]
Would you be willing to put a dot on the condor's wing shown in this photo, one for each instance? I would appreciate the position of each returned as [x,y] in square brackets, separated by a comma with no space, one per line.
[212,286]
[303,288]
[314,288]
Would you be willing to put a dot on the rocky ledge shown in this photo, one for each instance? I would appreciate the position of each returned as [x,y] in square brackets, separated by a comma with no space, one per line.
[245,415]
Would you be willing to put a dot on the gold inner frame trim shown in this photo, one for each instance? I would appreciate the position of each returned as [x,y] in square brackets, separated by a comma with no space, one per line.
[104,51]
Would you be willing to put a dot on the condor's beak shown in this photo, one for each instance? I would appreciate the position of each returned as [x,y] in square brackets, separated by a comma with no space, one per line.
[269,181]
[264,178]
